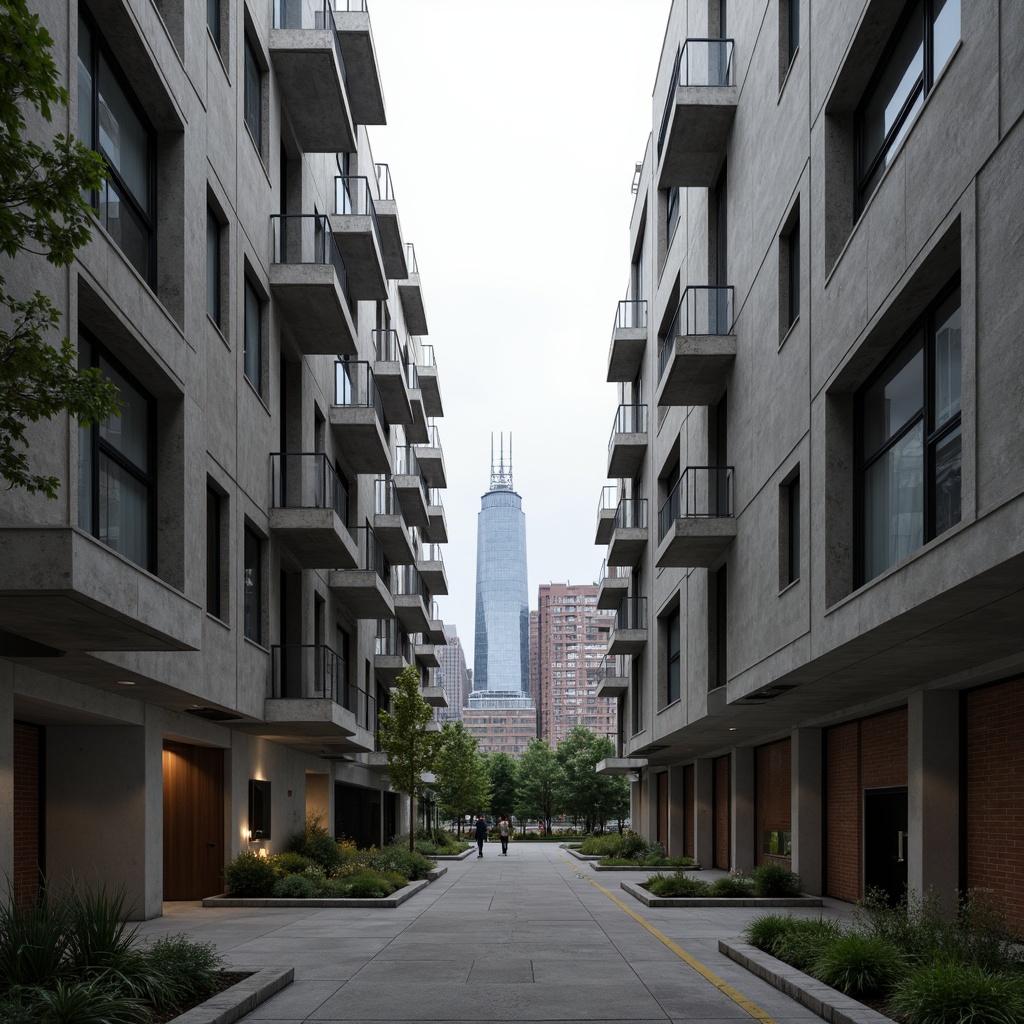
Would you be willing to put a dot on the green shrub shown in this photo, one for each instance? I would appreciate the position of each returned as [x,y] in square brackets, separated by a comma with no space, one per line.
[412,866]
[766,932]
[33,941]
[945,992]
[296,887]
[731,887]
[334,888]
[808,936]
[860,965]
[316,843]
[92,1001]
[289,863]
[369,885]
[250,875]
[602,846]
[399,881]
[189,969]
[774,881]
[677,886]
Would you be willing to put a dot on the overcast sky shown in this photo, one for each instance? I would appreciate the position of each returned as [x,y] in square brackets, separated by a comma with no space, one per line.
[513,131]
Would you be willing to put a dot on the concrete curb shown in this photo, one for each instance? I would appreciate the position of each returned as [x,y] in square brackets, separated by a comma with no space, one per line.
[580,856]
[452,856]
[706,901]
[387,903]
[234,1003]
[826,1002]
[645,867]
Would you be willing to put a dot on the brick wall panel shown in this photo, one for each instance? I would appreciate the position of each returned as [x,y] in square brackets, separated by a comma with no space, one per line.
[721,768]
[28,745]
[773,794]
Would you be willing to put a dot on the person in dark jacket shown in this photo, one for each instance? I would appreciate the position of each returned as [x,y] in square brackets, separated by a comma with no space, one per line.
[481,834]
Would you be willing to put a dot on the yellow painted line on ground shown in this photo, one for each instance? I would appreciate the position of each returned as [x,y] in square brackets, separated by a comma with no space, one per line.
[724,987]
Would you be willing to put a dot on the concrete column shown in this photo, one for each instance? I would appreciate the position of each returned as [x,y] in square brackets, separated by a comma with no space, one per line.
[806,803]
[933,795]
[153,814]
[6,775]
[676,810]
[704,811]
[649,807]
[743,823]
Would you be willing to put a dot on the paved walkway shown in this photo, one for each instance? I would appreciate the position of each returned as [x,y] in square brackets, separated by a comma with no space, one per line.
[533,936]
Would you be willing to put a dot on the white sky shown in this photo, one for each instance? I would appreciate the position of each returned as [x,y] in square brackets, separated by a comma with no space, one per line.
[513,131]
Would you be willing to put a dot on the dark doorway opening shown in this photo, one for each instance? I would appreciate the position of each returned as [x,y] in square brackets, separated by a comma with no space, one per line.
[885,841]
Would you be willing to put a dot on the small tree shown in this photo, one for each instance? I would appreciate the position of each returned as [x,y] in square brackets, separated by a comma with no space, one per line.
[539,778]
[403,736]
[503,772]
[463,785]
[585,794]
[43,210]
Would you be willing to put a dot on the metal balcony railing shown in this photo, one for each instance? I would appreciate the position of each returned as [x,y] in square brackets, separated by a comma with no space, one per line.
[371,555]
[311,14]
[385,190]
[434,497]
[351,6]
[433,437]
[410,259]
[630,419]
[703,309]
[385,497]
[427,355]
[391,639]
[307,480]
[612,667]
[356,388]
[304,671]
[388,348]
[700,63]
[631,613]
[434,611]
[631,514]
[431,553]
[406,463]
[412,377]
[406,581]
[307,238]
[612,572]
[609,499]
[702,492]
[352,197]
[631,313]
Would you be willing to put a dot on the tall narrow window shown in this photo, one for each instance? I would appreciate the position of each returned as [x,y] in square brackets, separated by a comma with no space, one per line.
[253,100]
[718,604]
[793,273]
[213,20]
[111,122]
[253,587]
[213,230]
[671,214]
[253,341]
[673,687]
[909,441]
[116,466]
[793,530]
[792,29]
[214,553]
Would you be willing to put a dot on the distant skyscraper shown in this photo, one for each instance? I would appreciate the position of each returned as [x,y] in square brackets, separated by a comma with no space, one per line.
[452,676]
[501,663]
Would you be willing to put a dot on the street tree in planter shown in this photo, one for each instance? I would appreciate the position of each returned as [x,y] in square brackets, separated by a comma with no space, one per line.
[539,783]
[403,736]
[584,794]
[503,771]
[463,786]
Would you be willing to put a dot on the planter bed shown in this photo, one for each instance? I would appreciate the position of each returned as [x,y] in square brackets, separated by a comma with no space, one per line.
[384,903]
[638,892]
[816,996]
[240,999]
[646,867]
[575,852]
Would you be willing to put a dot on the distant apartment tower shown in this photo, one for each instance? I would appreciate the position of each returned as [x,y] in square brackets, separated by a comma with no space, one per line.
[452,676]
[570,645]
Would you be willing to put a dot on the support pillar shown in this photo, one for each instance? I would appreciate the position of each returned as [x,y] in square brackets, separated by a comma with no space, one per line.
[806,809]
[743,823]
[704,811]
[676,810]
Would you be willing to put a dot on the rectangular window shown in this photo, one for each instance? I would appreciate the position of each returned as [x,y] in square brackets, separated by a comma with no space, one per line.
[253,100]
[213,20]
[793,28]
[111,122]
[213,230]
[214,553]
[674,680]
[671,214]
[909,442]
[253,587]
[793,530]
[253,340]
[116,466]
[793,273]
[923,42]
[718,606]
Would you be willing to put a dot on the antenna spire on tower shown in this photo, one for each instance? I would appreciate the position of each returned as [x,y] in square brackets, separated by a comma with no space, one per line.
[501,474]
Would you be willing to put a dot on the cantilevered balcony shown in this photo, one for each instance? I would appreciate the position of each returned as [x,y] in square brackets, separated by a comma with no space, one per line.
[434,633]
[391,371]
[416,431]
[698,349]
[63,590]
[434,695]
[629,532]
[607,506]
[309,510]
[310,68]
[388,524]
[357,235]
[314,703]
[431,568]
[426,656]
[310,284]
[412,492]
[411,598]
[612,585]
[436,530]
[431,459]
[429,386]
[358,422]
[362,76]
[392,246]
[613,681]
[629,632]
[696,523]
[391,652]
[629,339]
[364,591]
[411,294]
[698,115]
[627,445]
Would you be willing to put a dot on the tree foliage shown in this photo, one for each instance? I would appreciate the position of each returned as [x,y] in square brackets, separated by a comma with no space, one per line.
[539,783]
[403,736]
[504,773]
[44,210]
[583,793]
[463,785]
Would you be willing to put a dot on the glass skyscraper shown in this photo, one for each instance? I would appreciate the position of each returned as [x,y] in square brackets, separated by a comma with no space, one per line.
[501,658]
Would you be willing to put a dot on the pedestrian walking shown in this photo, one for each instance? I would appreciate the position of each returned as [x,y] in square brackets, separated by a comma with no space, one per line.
[504,833]
[481,834]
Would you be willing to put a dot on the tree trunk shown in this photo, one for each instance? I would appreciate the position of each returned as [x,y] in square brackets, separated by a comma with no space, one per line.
[412,822]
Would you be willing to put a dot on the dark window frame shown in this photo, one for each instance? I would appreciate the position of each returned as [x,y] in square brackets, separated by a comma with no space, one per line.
[213,274]
[673,657]
[252,79]
[923,329]
[793,272]
[213,20]
[214,552]
[793,530]
[252,615]
[247,353]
